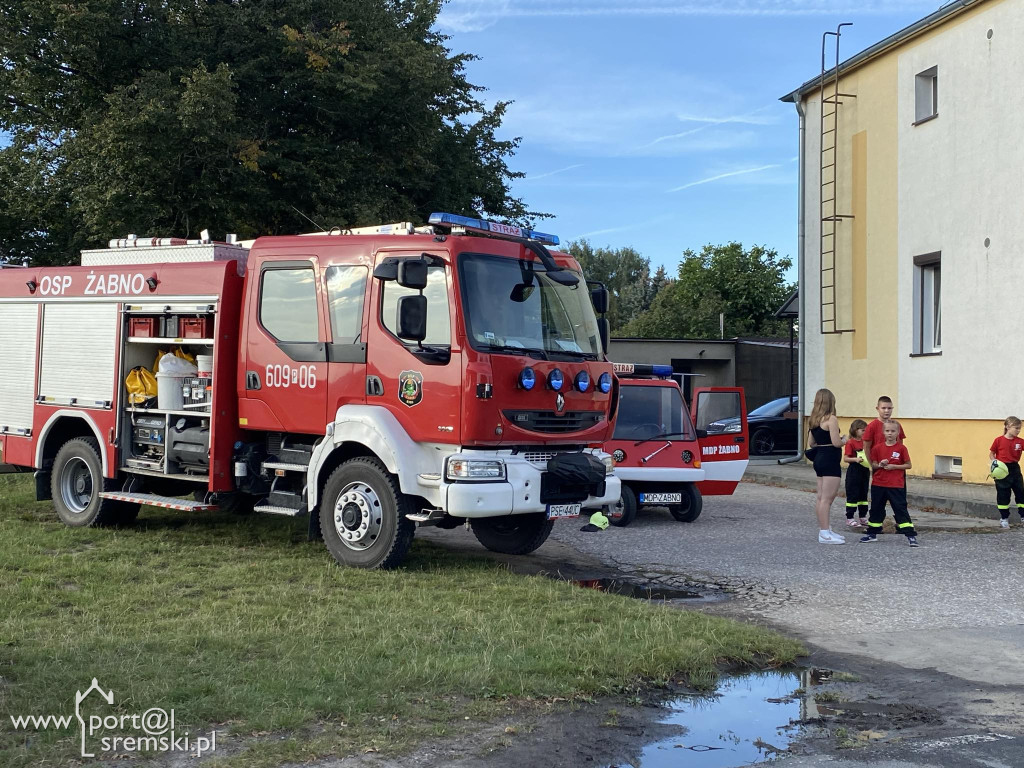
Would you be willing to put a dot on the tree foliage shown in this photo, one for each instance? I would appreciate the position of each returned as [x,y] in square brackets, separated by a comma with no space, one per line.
[625,273]
[747,286]
[168,116]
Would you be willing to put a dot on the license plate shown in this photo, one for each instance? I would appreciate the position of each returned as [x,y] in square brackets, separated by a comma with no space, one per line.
[556,511]
[661,498]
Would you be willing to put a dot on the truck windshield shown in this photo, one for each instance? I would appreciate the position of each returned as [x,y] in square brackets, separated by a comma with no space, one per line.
[648,412]
[513,306]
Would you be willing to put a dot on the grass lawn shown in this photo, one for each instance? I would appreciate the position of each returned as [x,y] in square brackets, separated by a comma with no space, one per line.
[241,624]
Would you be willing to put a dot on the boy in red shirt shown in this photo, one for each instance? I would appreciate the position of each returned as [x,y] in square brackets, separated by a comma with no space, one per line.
[890,461]
[1007,449]
[873,431]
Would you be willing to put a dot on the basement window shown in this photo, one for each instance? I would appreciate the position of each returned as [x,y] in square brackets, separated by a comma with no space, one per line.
[926,95]
[949,467]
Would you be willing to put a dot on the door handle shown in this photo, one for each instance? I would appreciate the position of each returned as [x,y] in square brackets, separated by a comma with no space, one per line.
[741,439]
[252,380]
[374,386]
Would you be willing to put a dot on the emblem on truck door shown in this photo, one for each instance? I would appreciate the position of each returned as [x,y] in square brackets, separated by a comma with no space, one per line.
[410,387]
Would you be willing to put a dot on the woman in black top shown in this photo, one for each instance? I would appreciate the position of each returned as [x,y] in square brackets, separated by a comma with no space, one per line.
[826,444]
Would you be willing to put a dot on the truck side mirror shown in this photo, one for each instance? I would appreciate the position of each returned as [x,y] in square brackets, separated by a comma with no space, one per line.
[599,298]
[412,274]
[604,328]
[412,317]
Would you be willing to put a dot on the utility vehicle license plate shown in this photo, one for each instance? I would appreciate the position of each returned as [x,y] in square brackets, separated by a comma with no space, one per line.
[556,511]
[661,498]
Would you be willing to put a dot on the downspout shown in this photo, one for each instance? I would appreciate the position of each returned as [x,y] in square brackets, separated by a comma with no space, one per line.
[801,288]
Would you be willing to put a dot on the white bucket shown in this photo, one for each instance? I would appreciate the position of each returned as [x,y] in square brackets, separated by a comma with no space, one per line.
[169,394]
[205,365]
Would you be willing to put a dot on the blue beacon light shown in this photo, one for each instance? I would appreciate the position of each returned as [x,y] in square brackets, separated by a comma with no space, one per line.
[605,383]
[527,378]
[582,381]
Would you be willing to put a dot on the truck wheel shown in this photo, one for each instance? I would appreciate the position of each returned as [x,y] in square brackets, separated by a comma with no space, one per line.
[232,502]
[512,534]
[691,507]
[76,483]
[362,516]
[624,512]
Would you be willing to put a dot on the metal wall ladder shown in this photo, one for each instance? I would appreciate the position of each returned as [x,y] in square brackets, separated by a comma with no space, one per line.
[830,99]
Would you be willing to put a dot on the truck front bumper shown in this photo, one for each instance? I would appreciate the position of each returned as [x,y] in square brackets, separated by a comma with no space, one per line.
[519,493]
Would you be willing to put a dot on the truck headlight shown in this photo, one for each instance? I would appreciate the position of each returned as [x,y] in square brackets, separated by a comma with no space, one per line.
[475,469]
[609,464]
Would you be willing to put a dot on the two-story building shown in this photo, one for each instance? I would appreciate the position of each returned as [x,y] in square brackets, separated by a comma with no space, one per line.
[912,231]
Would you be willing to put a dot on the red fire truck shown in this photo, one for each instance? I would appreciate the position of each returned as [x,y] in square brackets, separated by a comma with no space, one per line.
[375,379]
[660,457]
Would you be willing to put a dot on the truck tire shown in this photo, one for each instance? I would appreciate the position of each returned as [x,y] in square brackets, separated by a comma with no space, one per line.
[363,516]
[512,534]
[692,504]
[232,502]
[76,483]
[624,512]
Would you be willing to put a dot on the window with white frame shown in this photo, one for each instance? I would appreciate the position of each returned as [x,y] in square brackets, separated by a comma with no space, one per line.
[926,95]
[928,304]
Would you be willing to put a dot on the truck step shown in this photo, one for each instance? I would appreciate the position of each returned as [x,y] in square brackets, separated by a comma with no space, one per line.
[154,500]
[288,467]
[285,499]
[270,509]
[295,455]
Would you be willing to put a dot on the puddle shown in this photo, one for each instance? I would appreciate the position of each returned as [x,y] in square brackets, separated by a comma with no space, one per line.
[641,591]
[749,720]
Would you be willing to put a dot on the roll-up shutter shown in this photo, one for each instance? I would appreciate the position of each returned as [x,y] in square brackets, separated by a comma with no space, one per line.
[79,345]
[18,323]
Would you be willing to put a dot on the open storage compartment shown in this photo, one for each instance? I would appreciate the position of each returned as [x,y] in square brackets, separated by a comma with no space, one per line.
[169,434]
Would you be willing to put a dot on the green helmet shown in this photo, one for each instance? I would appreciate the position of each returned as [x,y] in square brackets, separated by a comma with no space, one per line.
[998,470]
[599,520]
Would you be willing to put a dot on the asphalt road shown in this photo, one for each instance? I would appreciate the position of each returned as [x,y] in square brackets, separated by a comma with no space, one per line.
[941,626]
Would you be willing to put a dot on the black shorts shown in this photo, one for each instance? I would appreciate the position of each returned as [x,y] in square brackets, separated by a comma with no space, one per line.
[827,461]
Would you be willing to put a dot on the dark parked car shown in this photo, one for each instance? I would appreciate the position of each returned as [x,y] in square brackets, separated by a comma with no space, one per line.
[772,426]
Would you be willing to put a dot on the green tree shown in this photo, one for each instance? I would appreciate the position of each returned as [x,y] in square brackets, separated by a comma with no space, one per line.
[625,273]
[168,116]
[747,286]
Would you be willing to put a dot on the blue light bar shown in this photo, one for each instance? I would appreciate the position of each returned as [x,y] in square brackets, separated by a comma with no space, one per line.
[483,226]
[642,369]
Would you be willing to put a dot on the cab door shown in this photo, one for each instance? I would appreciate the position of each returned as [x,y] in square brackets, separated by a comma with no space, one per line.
[420,384]
[720,413]
[345,283]
[285,357]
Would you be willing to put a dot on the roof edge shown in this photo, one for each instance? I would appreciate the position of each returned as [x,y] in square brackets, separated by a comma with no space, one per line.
[944,13]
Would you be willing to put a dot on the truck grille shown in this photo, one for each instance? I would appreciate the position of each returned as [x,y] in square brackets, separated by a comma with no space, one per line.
[553,422]
[539,457]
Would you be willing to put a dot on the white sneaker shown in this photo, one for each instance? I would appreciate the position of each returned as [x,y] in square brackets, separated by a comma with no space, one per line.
[1004,523]
[830,537]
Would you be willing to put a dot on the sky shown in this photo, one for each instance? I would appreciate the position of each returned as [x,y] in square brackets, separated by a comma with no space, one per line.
[657,124]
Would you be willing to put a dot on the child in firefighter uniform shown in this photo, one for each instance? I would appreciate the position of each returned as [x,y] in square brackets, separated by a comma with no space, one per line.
[858,476]
[1007,449]
[890,461]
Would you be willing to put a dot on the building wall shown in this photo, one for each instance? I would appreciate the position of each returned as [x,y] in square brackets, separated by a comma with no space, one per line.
[947,185]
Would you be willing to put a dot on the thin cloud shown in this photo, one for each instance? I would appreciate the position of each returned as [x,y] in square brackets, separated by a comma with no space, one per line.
[531,177]
[475,15]
[724,176]
[747,118]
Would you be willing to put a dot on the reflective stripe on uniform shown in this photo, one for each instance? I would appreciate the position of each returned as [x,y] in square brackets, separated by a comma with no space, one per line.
[906,525]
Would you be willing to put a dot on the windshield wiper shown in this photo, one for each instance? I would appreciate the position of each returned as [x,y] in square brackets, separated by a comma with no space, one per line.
[659,437]
[516,350]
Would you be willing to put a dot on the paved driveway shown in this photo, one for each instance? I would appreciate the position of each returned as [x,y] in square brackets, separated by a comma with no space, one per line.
[919,607]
